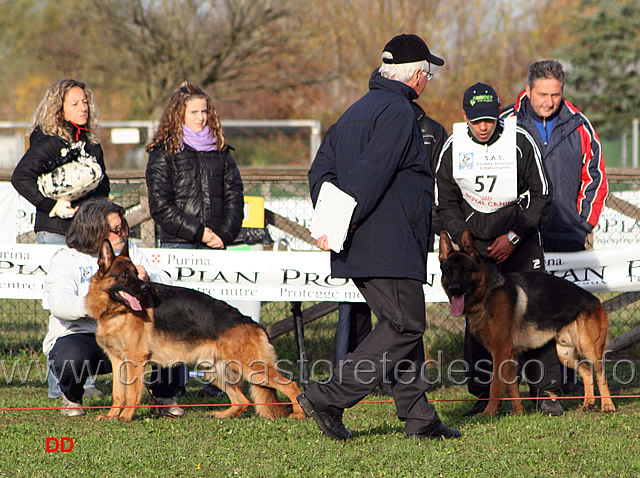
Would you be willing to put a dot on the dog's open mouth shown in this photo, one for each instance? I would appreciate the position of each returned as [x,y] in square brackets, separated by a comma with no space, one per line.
[457,305]
[129,300]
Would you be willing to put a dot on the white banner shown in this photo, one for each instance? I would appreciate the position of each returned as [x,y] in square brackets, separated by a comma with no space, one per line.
[299,276]
[8,204]
[616,229]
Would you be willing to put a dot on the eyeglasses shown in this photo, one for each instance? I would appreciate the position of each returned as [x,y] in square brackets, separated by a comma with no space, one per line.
[118,230]
[428,74]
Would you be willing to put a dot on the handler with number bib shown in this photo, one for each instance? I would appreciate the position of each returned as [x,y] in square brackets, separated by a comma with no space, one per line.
[490,180]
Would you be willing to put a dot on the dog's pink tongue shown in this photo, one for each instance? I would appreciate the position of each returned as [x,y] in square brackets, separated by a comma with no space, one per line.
[457,305]
[132,301]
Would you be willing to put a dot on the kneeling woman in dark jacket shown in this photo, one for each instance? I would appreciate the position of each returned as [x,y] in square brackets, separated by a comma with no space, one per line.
[195,189]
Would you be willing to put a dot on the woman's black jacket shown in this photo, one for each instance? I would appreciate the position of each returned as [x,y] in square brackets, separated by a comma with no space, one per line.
[190,190]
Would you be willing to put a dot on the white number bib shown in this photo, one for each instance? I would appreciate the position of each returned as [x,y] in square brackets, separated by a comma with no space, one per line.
[486,174]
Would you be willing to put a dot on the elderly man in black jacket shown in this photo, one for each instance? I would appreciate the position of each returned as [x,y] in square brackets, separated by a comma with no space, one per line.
[354,318]
[376,155]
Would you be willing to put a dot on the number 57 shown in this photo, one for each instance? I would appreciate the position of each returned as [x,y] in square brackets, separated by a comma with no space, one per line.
[483,181]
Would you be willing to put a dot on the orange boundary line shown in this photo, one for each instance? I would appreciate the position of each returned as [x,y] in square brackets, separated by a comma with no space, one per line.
[290,403]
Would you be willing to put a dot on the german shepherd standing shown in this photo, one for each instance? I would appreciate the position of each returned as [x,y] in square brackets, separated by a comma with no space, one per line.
[142,322]
[515,312]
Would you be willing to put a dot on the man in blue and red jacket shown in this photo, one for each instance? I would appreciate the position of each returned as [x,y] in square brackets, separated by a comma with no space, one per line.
[571,153]
[572,156]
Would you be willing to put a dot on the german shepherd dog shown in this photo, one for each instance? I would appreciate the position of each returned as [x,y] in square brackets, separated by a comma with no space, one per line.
[140,322]
[516,312]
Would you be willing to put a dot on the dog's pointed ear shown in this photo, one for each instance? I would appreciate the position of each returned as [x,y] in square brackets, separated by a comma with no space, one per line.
[125,249]
[467,243]
[446,246]
[106,256]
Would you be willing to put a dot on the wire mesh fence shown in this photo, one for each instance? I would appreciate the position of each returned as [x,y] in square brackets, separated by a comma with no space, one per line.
[288,211]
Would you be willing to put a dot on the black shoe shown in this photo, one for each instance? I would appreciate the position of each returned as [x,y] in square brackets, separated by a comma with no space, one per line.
[550,406]
[385,389]
[211,390]
[331,425]
[478,407]
[441,432]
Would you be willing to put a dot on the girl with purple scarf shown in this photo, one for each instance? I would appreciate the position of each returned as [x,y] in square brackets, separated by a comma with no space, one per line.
[195,189]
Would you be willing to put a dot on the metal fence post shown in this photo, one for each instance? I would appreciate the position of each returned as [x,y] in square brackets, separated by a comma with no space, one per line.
[298,328]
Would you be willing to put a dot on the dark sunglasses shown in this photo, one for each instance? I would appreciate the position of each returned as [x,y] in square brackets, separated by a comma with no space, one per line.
[118,230]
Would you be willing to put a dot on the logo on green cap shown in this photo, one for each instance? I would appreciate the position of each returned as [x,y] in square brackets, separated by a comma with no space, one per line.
[481,99]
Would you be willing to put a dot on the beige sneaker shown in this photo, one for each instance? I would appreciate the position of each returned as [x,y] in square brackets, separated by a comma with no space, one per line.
[170,408]
[71,409]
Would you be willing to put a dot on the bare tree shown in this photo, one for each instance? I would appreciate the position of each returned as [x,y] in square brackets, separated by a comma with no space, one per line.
[38,46]
[228,46]
[265,58]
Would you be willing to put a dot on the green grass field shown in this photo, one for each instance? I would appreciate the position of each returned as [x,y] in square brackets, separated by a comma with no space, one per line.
[580,444]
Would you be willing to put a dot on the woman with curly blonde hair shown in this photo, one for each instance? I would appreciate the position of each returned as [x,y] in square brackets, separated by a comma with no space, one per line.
[63,130]
[50,115]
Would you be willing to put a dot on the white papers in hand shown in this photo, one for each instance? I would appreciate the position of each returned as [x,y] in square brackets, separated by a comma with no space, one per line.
[332,215]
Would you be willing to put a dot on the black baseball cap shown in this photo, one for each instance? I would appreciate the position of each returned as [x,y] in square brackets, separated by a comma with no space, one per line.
[481,101]
[408,48]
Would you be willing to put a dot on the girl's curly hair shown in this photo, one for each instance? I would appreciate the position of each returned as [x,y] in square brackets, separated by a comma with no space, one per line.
[49,115]
[169,133]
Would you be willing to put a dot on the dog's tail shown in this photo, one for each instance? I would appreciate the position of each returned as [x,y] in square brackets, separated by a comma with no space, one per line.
[265,399]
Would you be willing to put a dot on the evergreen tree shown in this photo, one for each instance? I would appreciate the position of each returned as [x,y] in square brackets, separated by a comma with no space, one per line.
[603,63]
